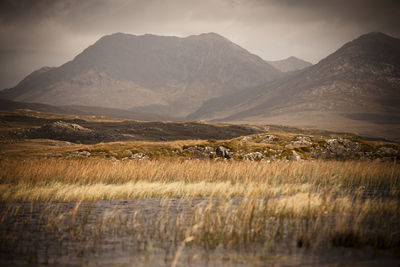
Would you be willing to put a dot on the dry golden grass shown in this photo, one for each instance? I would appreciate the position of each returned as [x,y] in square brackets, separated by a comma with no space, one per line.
[301,220]
[95,179]
[249,205]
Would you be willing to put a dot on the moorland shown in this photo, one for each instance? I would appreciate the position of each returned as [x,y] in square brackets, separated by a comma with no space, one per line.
[96,191]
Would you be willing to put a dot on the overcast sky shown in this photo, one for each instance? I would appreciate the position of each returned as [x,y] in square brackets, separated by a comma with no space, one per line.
[37,33]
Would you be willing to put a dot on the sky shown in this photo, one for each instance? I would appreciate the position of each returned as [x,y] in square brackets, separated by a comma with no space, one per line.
[37,33]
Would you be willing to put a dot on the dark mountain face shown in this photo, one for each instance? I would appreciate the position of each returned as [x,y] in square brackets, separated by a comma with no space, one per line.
[354,88]
[289,64]
[168,74]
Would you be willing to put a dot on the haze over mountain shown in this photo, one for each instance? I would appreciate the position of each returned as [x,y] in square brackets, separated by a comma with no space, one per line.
[289,64]
[357,88]
[149,73]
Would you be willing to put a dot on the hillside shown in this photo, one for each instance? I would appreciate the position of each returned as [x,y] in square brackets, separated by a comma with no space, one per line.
[63,135]
[148,73]
[82,110]
[357,89]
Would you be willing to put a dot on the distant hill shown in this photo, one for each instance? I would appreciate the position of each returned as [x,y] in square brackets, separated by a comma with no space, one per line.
[290,64]
[357,88]
[148,73]
[207,77]
[82,110]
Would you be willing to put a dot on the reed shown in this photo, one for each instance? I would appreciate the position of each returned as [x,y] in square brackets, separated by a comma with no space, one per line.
[56,205]
[91,180]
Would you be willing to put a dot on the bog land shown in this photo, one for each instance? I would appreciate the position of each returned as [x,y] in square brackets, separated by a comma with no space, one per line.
[99,191]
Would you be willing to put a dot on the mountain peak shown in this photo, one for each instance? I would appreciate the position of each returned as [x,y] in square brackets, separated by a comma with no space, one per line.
[165,74]
[375,35]
[368,49]
[211,35]
[291,63]
[119,35]
[373,38]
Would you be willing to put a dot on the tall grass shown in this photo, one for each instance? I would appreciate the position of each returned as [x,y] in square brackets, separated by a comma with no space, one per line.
[250,223]
[240,205]
[90,180]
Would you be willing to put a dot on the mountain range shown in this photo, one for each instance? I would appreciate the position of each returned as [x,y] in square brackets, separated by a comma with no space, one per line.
[207,77]
[357,88]
[161,74]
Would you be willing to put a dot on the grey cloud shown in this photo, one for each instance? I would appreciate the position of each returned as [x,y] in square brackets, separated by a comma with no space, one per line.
[50,32]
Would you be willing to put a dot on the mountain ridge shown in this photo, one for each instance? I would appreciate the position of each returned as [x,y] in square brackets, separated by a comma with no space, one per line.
[127,71]
[208,77]
[347,90]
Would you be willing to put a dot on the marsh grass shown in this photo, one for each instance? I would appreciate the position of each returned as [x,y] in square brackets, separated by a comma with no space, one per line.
[95,179]
[249,223]
[55,205]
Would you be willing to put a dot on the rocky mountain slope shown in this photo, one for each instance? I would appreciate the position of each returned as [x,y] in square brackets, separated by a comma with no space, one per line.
[357,88]
[149,73]
[290,64]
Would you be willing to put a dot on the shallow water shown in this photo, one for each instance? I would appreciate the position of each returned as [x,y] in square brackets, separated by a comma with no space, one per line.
[127,232]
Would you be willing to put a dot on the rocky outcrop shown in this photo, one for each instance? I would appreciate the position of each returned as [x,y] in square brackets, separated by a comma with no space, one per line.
[72,132]
[297,148]
[224,152]
[301,141]
[200,152]
[254,156]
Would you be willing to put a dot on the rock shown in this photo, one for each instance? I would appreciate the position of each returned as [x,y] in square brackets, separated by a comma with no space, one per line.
[72,132]
[79,154]
[113,159]
[387,151]
[295,156]
[254,156]
[139,156]
[269,138]
[112,154]
[339,149]
[126,153]
[301,141]
[200,152]
[209,149]
[84,153]
[62,126]
[224,152]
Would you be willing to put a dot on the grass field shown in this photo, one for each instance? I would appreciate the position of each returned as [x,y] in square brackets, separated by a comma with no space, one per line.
[97,179]
[71,203]
[242,203]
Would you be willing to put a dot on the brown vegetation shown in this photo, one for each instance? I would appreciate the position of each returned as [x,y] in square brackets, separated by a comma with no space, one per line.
[222,204]
[61,180]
